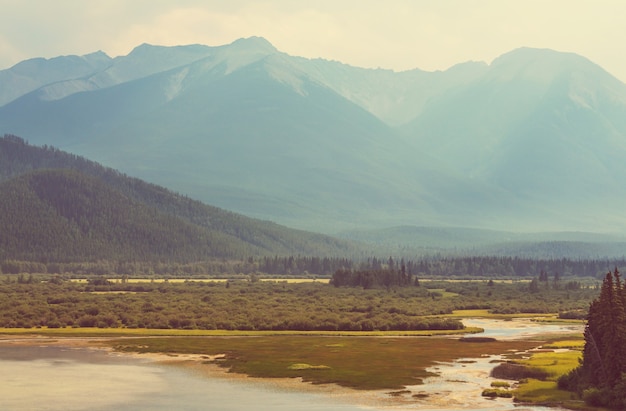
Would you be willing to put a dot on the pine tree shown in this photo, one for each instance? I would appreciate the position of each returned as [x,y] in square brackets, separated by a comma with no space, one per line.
[604,356]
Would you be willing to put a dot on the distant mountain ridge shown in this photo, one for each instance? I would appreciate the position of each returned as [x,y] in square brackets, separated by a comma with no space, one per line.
[532,141]
[459,241]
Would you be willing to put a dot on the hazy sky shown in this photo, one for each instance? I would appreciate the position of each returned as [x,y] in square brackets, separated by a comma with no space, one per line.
[395,34]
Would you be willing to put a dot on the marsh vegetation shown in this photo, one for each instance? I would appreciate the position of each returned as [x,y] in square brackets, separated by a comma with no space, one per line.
[252,305]
[362,363]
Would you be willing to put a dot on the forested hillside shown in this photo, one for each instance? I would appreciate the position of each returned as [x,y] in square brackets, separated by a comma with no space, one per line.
[65,215]
[93,212]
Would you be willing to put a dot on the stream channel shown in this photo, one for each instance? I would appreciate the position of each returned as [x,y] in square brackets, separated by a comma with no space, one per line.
[51,377]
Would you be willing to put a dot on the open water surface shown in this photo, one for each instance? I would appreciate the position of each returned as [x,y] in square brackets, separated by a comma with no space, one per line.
[52,378]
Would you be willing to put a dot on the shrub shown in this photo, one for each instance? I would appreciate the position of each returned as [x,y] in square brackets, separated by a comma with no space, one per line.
[595,397]
[494,393]
[573,315]
[569,381]
[510,371]
[54,324]
[87,321]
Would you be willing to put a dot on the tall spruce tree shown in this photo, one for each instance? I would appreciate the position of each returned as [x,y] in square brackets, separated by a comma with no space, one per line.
[603,367]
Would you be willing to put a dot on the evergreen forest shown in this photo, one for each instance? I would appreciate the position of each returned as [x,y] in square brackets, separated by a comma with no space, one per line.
[59,207]
[601,378]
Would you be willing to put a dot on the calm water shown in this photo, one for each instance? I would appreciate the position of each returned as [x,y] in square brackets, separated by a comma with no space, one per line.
[69,379]
[519,328]
[52,378]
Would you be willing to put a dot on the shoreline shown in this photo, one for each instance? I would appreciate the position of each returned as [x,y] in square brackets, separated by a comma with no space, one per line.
[207,366]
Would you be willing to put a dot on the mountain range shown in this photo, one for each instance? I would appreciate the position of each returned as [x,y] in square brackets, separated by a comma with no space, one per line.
[533,141]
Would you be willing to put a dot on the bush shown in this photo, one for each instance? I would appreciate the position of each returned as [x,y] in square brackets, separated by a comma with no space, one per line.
[573,315]
[618,394]
[509,371]
[87,321]
[54,324]
[494,393]
[596,397]
[569,381]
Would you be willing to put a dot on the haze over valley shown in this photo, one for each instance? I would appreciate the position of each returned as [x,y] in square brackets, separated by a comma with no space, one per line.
[533,142]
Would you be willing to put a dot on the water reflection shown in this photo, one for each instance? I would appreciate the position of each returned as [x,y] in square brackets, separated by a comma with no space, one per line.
[55,379]
[519,328]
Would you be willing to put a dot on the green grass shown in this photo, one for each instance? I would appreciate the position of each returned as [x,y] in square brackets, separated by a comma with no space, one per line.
[203,280]
[487,314]
[554,364]
[361,363]
[541,392]
[574,344]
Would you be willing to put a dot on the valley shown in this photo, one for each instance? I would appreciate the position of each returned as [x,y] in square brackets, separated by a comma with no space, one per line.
[284,217]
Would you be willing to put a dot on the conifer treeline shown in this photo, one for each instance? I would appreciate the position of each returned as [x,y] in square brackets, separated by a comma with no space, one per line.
[373,278]
[601,378]
[468,267]
[376,272]
[473,267]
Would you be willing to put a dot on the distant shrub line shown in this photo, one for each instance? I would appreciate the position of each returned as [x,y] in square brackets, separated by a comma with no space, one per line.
[254,305]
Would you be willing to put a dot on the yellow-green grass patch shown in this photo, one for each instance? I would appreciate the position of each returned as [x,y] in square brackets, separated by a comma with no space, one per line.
[458,280]
[203,280]
[487,314]
[297,280]
[577,344]
[554,363]
[541,392]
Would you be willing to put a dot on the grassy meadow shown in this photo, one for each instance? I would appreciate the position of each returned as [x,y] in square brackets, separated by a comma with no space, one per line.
[356,362]
[559,358]
[531,378]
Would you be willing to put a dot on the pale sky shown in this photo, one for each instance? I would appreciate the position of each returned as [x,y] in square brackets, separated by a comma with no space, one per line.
[393,34]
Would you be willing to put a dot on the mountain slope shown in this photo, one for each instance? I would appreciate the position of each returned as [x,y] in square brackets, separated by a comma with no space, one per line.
[32,74]
[533,141]
[407,240]
[65,216]
[82,205]
[544,126]
[254,137]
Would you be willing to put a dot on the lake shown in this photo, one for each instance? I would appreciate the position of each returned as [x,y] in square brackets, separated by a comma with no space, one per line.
[51,378]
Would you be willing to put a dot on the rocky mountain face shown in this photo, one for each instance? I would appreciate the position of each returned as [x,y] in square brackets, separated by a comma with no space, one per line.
[532,141]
